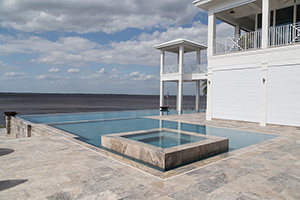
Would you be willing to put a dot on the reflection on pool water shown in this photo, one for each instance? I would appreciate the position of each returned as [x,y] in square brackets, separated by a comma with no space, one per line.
[72,117]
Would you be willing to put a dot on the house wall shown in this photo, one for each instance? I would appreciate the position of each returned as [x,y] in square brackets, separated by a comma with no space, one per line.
[238,91]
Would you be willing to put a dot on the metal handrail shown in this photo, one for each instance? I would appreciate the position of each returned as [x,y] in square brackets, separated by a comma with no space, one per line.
[188,69]
[241,42]
[283,35]
[278,35]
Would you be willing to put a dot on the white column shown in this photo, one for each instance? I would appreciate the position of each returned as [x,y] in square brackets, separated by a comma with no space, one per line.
[209,95]
[180,96]
[256,21]
[263,103]
[295,13]
[198,60]
[161,96]
[162,65]
[180,80]
[265,23]
[237,29]
[162,62]
[210,53]
[180,60]
[211,33]
[198,82]
[197,94]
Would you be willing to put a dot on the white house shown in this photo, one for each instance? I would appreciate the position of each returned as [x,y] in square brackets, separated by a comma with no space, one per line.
[255,75]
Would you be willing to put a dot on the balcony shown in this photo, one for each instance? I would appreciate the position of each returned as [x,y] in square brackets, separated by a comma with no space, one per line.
[187,69]
[278,36]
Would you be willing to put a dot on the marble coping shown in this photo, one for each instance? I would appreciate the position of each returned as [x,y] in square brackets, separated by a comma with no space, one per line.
[165,158]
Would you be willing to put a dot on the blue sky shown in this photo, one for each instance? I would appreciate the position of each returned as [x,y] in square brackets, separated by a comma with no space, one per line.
[92,46]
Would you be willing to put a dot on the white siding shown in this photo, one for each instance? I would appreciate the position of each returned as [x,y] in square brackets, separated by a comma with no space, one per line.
[283,96]
[236,94]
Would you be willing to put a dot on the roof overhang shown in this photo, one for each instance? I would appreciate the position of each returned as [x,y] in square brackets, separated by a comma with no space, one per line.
[173,46]
[203,4]
[217,6]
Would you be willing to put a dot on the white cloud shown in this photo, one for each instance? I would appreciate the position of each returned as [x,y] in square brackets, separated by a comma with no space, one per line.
[93,76]
[137,76]
[101,71]
[73,70]
[116,71]
[51,77]
[15,75]
[114,76]
[79,51]
[54,70]
[93,15]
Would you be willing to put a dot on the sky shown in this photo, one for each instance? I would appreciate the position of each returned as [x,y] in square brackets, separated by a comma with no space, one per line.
[94,46]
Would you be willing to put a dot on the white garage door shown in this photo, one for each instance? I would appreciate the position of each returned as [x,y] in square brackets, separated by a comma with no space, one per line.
[283,95]
[236,94]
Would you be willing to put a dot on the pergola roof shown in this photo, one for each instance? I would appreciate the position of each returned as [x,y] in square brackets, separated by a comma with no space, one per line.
[173,46]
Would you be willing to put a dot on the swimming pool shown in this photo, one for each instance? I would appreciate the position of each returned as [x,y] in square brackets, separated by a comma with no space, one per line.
[89,127]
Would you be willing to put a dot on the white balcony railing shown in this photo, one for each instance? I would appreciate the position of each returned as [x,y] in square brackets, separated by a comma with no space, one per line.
[246,41]
[278,35]
[194,69]
[170,69]
[188,69]
[283,35]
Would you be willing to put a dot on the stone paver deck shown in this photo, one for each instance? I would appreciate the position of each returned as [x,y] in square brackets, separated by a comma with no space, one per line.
[55,167]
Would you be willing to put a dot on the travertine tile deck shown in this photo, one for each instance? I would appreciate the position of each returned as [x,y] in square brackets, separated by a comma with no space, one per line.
[55,167]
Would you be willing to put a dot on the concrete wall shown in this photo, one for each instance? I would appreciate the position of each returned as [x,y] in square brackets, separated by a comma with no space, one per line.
[23,129]
[262,86]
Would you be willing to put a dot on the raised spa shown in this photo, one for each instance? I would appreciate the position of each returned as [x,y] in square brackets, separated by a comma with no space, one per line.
[165,148]
[164,139]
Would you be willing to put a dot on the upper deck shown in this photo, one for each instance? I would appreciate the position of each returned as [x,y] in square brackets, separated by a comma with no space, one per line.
[257,24]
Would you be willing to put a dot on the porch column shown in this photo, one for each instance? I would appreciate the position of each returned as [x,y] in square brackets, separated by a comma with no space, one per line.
[198,61]
[210,52]
[197,94]
[211,33]
[265,23]
[198,81]
[179,96]
[180,80]
[162,65]
[237,29]
[161,97]
[209,95]
[162,62]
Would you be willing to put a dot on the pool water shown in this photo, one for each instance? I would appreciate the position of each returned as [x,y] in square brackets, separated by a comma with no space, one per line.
[164,139]
[89,127]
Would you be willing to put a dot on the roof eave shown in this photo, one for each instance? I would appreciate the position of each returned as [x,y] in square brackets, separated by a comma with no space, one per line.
[203,4]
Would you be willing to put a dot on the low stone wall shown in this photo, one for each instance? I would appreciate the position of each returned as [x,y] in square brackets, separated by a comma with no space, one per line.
[22,129]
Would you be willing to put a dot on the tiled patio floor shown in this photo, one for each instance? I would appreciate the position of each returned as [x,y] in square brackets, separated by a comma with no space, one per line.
[55,167]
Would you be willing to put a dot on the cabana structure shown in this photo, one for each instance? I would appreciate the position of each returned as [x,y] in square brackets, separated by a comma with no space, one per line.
[180,72]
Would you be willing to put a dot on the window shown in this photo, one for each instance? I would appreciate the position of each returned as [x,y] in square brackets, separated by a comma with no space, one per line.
[284,16]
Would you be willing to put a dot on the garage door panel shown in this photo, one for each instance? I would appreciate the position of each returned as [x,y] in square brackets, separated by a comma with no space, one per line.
[283,95]
[236,94]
